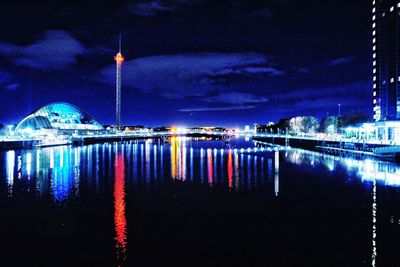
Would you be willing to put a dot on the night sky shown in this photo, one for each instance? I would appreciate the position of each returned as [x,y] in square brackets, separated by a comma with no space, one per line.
[200,62]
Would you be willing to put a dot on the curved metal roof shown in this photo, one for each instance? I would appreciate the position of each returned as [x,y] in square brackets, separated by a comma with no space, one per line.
[59,115]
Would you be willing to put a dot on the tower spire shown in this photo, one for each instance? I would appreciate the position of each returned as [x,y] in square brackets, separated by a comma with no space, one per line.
[119,59]
[119,51]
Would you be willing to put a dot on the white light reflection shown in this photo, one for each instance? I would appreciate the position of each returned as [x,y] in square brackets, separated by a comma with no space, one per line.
[276,177]
[10,163]
[191,164]
[147,160]
[28,164]
[236,163]
[374,209]
[155,161]
[77,163]
[19,167]
[61,152]
[51,158]
[215,171]
[368,170]
[38,152]
[202,165]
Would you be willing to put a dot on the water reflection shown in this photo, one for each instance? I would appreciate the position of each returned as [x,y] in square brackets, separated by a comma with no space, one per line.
[210,167]
[116,170]
[119,207]
[276,177]
[374,208]
[230,169]
[59,171]
[368,170]
[10,163]
[174,156]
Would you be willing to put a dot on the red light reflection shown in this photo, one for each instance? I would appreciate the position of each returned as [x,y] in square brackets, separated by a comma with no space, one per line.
[119,208]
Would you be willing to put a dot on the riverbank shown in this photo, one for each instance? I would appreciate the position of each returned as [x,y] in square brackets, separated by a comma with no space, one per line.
[26,143]
[343,147]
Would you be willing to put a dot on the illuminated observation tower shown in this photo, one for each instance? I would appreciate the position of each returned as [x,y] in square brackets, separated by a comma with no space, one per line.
[119,59]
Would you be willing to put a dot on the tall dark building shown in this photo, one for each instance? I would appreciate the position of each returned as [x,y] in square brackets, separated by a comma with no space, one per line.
[386,59]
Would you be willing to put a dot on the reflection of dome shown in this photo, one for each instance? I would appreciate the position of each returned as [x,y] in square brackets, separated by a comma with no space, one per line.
[59,116]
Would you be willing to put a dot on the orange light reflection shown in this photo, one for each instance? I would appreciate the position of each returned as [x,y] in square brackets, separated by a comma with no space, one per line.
[230,169]
[210,167]
[174,162]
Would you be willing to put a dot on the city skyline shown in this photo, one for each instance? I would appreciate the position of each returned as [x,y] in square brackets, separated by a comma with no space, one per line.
[277,62]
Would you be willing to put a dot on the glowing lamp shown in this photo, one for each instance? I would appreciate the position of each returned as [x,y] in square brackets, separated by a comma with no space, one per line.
[119,58]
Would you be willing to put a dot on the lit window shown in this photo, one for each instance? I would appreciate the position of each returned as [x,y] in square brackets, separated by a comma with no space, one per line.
[392,9]
[374,55]
[374,33]
[392,80]
[374,48]
[374,93]
[374,101]
[374,71]
[399,79]
[373,10]
[373,2]
[374,85]
[373,25]
[374,78]
[383,14]
[373,17]
[398,4]
[384,82]
[374,63]
[374,40]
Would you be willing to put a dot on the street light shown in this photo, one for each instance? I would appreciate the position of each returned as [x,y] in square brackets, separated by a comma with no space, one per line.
[10,132]
[339,126]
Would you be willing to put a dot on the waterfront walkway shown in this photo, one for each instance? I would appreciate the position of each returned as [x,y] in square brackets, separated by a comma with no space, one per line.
[320,143]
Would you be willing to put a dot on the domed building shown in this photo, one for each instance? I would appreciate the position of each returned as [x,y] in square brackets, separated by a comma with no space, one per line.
[58,118]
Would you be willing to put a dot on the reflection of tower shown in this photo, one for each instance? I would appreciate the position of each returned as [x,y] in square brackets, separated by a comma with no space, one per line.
[119,59]
[119,207]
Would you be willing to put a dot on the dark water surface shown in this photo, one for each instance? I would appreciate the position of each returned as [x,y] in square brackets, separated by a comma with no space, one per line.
[196,203]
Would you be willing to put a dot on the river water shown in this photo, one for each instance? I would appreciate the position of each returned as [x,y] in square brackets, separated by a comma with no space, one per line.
[196,202]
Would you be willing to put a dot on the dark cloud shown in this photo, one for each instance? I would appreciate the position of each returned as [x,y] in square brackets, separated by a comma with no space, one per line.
[251,70]
[320,100]
[156,7]
[12,87]
[340,61]
[235,98]
[4,76]
[357,89]
[152,8]
[180,76]
[304,70]
[55,50]
[209,109]
[260,13]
